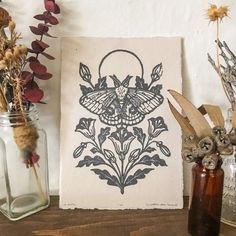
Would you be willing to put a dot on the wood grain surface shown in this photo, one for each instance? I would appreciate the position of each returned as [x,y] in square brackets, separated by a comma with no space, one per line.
[56,222]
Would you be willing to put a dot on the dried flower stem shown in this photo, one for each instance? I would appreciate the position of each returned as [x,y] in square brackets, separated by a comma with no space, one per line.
[218,60]
[41,193]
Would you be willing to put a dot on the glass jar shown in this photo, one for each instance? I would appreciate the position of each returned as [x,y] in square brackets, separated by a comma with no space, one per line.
[228,215]
[23,165]
[205,202]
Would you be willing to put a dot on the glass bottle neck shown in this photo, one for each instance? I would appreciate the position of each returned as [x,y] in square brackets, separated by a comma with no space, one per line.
[13,119]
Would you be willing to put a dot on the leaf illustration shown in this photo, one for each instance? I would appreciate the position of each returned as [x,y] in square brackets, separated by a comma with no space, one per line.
[85,90]
[187,129]
[138,132]
[104,174]
[214,113]
[104,132]
[140,84]
[164,149]
[84,72]
[157,72]
[155,160]
[102,84]
[156,89]
[139,174]
[150,149]
[97,160]
[94,150]
[197,120]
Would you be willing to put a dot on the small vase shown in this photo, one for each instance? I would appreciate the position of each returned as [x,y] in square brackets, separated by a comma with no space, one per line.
[23,165]
[206,200]
[228,215]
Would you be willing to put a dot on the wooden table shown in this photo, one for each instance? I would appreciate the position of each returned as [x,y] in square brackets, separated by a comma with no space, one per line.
[56,222]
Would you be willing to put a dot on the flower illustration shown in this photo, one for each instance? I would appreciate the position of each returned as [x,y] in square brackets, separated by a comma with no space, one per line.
[157,72]
[79,150]
[121,140]
[86,127]
[84,72]
[156,126]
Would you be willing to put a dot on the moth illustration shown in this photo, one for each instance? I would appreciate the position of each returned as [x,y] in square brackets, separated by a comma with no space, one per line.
[121,105]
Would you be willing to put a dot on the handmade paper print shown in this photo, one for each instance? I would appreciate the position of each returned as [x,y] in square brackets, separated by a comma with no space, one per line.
[116,130]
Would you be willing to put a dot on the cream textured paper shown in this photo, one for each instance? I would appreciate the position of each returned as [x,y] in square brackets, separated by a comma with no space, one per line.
[120,145]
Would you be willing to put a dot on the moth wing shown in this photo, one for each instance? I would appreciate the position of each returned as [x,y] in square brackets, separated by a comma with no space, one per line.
[98,101]
[145,101]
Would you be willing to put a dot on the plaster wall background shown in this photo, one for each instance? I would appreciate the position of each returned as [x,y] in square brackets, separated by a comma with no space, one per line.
[130,18]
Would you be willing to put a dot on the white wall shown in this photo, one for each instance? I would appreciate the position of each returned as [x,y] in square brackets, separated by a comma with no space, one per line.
[130,18]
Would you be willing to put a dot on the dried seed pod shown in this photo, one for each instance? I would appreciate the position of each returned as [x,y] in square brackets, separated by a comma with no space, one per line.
[218,130]
[11,26]
[206,145]
[4,17]
[227,150]
[232,136]
[224,144]
[188,156]
[210,161]
[222,140]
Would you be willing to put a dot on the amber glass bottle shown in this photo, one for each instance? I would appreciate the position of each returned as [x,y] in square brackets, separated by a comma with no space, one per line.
[206,201]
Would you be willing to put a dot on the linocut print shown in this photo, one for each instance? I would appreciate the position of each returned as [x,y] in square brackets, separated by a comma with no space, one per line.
[120,145]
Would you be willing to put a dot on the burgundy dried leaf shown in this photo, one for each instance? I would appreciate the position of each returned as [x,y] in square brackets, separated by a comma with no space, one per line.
[41,102]
[32,85]
[42,44]
[26,77]
[47,34]
[46,25]
[49,5]
[40,17]
[44,76]
[32,59]
[47,14]
[43,28]
[35,30]
[38,68]
[34,94]
[48,56]
[36,47]
[53,20]
[57,9]
[31,50]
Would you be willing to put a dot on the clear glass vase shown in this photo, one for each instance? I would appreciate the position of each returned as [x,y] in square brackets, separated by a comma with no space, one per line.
[228,214]
[23,165]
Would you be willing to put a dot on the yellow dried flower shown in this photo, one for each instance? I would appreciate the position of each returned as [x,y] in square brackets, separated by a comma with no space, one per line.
[214,13]
[11,26]
[2,65]
[9,55]
[16,51]
[23,49]
[223,11]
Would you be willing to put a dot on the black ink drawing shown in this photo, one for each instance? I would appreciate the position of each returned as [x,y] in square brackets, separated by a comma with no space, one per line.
[119,107]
